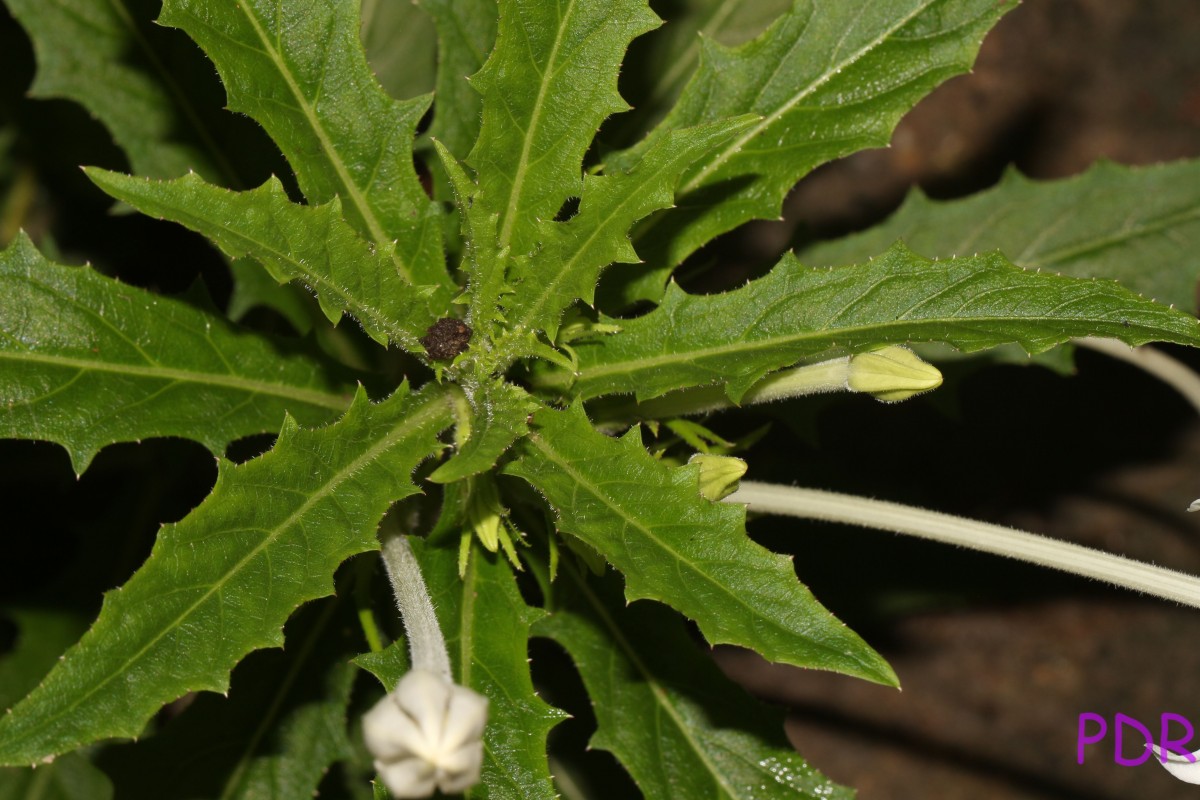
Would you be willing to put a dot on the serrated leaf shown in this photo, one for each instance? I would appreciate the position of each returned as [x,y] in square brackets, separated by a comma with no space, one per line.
[662,61]
[674,546]
[828,79]
[71,777]
[273,738]
[548,84]
[299,70]
[483,261]
[88,361]
[42,635]
[388,665]
[254,287]
[400,44]
[95,54]
[574,252]
[681,728]
[798,313]
[312,244]
[221,583]
[498,412]
[1136,225]
[486,624]
[466,31]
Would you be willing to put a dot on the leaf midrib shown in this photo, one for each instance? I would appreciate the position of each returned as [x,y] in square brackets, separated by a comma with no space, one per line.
[514,195]
[428,411]
[634,365]
[1144,229]
[661,695]
[250,246]
[770,119]
[238,775]
[538,441]
[567,270]
[308,396]
[354,192]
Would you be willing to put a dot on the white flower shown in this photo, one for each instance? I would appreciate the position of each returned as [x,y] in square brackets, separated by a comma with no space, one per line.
[1179,765]
[427,734]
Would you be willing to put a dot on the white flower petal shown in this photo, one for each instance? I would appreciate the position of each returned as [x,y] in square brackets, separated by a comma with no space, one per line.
[464,758]
[409,777]
[468,762]
[466,715]
[424,695]
[389,732]
[1178,765]
[427,733]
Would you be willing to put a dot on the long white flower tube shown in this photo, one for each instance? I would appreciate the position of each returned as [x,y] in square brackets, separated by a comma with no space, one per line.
[890,374]
[769,498]
[427,734]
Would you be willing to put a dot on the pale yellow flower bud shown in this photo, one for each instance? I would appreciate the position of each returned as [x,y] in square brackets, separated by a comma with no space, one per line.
[719,475]
[892,374]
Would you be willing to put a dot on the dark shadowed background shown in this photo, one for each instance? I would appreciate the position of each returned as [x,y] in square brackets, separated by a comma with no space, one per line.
[997,659]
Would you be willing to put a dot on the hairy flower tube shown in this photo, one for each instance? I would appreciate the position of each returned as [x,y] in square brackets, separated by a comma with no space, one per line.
[767,498]
[427,733]
[889,374]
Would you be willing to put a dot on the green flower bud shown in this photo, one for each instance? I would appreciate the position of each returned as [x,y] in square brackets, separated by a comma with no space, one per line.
[892,374]
[719,475]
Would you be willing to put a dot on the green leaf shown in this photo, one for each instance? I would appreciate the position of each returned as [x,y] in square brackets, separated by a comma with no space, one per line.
[497,414]
[681,728]
[483,261]
[651,523]
[42,635]
[277,733]
[1136,225]
[96,54]
[828,79]
[400,44]
[466,31]
[312,244]
[662,61]
[547,86]
[71,777]
[388,665]
[221,583]
[796,313]
[253,287]
[298,69]
[486,624]
[88,361]
[574,252]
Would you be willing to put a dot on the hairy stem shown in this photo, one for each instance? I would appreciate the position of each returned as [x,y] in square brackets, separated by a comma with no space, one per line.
[890,373]
[427,647]
[834,507]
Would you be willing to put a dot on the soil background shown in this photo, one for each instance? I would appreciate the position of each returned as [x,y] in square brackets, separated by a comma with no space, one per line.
[997,659]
